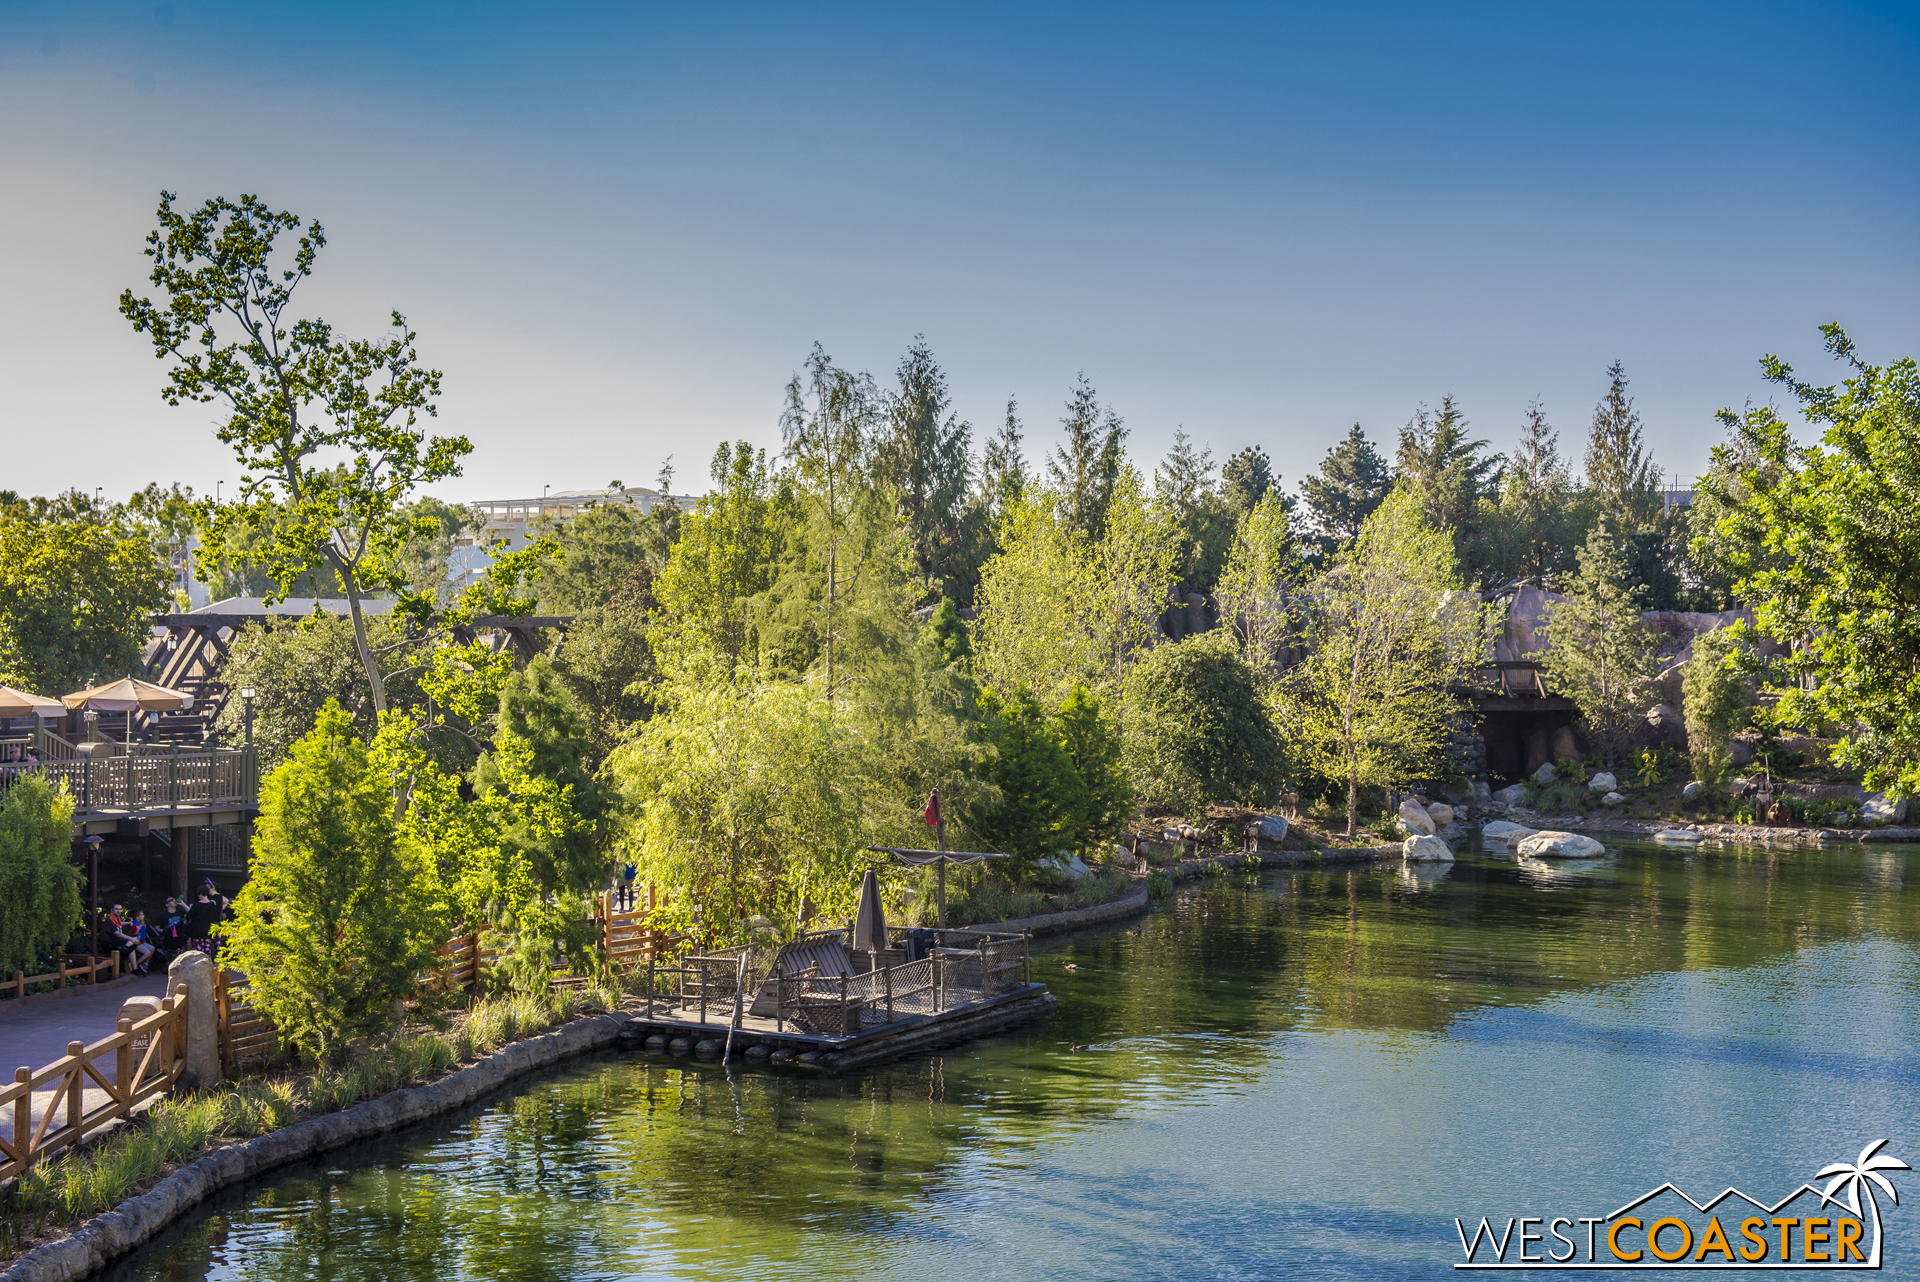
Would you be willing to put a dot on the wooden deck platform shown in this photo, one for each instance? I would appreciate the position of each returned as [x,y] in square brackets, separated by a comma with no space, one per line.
[671,1028]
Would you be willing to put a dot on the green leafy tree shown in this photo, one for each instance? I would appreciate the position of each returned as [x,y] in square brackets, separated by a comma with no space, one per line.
[1264,570]
[549,824]
[326,430]
[1387,633]
[1599,654]
[1058,608]
[39,882]
[726,559]
[1353,481]
[75,595]
[1720,551]
[608,660]
[1197,729]
[1039,806]
[1714,696]
[750,799]
[340,914]
[1086,467]
[1826,540]
[300,668]
[599,549]
[1620,473]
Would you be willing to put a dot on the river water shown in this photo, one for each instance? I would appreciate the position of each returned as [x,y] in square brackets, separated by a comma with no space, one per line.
[1305,1075]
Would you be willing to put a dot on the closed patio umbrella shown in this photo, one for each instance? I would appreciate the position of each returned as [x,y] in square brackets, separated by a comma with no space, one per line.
[870,924]
[129,695]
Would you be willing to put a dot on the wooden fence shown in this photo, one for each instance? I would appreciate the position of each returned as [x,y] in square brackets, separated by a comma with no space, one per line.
[247,1036]
[89,967]
[160,1040]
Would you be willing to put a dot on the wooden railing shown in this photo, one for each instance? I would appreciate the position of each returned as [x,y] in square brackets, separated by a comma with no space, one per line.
[149,782]
[160,1040]
[625,936]
[245,1034]
[91,968]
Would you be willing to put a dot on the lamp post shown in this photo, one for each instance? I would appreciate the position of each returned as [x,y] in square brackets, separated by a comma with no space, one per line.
[246,702]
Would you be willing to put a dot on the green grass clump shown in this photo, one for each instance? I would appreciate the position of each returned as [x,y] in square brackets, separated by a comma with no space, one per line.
[98,1176]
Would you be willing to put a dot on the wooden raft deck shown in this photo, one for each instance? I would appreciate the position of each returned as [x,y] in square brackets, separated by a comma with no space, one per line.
[757,1039]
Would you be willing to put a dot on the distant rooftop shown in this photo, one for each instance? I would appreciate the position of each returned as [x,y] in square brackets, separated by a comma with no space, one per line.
[299,605]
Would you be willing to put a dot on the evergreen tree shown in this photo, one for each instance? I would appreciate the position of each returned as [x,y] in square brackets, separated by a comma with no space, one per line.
[1183,486]
[1003,468]
[1353,481]
[341,913]
[1087,466]
[1247,478]
[1093,744]
[1620,473]
[1598,652]
[1456,480]
[1041,803]
[1538,512]
[1715,700]
[925,458]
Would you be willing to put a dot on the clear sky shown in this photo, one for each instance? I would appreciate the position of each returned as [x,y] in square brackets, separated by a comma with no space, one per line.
[619,228]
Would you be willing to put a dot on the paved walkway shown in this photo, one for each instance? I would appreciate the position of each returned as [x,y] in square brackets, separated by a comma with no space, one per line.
[35,1034]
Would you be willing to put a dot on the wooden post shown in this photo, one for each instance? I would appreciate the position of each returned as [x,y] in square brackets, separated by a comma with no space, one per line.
[20,982]
[23,1116]
[74,1088]
[606,924]
[123,1061]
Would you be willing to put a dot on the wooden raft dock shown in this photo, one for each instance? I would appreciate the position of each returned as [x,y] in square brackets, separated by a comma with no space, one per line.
[816,1003]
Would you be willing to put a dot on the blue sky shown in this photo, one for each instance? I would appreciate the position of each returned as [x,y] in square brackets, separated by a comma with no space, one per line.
[619,229]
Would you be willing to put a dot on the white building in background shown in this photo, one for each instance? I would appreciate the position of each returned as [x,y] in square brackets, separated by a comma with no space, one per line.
[506,523]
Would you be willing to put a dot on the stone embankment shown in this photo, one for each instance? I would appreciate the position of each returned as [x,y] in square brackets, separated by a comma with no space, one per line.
[113,1234]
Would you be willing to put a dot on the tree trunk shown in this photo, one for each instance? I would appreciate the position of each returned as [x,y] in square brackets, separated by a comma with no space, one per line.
[352,585]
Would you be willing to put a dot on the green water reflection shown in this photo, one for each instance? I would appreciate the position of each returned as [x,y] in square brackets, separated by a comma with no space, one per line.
[1176,1116]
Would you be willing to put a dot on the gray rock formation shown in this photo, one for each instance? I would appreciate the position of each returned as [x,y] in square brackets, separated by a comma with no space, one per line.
[1419,823]
[1426,850]
[1560,845]
[1603,782]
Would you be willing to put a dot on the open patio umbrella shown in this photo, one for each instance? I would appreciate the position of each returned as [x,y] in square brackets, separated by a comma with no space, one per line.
[129,695]
[18,703]
[870,924]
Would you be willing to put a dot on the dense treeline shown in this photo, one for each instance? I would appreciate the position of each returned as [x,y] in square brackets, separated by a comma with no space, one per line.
[753,691]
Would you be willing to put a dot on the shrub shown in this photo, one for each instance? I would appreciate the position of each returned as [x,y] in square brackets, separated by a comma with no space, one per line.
[1197,730]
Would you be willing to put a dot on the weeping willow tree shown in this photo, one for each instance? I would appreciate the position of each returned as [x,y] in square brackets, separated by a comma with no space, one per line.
[1387,632]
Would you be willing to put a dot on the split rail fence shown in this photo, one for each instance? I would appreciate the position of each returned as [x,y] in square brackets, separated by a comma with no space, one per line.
[160,1042]
[89,967]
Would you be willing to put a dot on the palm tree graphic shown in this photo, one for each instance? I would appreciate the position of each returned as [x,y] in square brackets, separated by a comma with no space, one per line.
[1863,1174]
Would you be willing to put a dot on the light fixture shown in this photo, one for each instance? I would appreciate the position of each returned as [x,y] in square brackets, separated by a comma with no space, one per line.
[246,692]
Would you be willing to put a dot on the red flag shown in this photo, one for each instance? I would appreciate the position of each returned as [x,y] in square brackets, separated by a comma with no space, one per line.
[932,813]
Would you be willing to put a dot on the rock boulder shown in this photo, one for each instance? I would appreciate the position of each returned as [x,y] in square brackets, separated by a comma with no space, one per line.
[1510,796]
[1545,774]
[1426,849]
[1441,814]
[1603,782]
[1560,845]
[1419,823]
[1881,809]
[1669,725]
[1268,828]
[1693,790]
[1503,834]
[1612,799]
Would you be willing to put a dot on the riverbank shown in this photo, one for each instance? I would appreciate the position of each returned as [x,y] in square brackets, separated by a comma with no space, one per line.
[102,1238]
